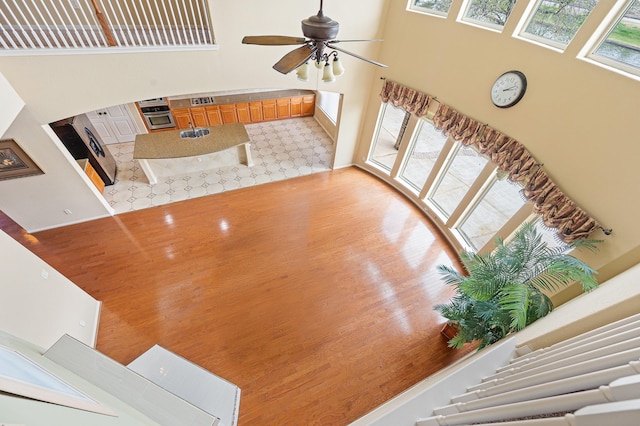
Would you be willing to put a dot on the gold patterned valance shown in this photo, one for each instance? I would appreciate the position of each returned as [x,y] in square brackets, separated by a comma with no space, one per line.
[556,209]
[410,100]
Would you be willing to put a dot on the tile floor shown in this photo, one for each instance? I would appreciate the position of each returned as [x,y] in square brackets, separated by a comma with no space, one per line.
[281,149]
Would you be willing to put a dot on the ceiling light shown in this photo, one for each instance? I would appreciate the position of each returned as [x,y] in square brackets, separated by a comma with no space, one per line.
[327,74]
[303,72]
[338,69]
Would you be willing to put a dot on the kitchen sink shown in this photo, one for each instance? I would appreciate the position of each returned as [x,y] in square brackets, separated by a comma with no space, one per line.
[194,133]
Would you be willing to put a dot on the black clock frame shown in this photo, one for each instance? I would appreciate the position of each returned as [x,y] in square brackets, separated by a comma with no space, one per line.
[522,92]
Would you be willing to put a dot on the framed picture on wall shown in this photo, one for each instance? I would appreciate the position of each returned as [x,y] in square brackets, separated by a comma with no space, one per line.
[14,162]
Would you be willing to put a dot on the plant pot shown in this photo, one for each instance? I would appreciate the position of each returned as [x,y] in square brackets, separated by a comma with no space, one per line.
[449,330]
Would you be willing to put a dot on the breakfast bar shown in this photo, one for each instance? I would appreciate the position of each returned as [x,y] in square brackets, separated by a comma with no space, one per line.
[182,151]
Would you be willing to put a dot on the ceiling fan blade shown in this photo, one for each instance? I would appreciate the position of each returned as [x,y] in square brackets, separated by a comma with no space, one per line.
[273,40]
[330,44]
[294,59]
[351,41]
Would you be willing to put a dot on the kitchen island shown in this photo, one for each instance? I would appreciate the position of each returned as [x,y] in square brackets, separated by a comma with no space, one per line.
[167,153]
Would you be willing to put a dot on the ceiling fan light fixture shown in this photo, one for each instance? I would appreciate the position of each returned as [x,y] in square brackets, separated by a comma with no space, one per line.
[338,68]
[320,34]
[327,74]
[303,72]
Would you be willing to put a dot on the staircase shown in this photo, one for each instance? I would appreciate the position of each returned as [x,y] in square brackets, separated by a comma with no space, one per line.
[578,382]
[163,386]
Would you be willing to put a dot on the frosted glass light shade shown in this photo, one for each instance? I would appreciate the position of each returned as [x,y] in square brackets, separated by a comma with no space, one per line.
[303,72]
[318,64]
[327,74]
[338,69]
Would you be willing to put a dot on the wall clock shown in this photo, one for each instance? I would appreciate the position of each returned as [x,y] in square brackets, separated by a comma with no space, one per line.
[508,89]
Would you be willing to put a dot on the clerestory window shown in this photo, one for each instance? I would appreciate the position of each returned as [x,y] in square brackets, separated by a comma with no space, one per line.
[436,7]
[556,23]
[492,13]
[620,46]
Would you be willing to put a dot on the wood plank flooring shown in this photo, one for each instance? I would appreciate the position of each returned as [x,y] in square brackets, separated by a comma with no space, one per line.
[313,294]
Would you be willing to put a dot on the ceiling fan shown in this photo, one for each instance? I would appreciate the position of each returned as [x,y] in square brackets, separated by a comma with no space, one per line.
[320,33]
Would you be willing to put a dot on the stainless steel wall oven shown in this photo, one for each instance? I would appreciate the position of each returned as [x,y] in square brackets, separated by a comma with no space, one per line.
[157,114]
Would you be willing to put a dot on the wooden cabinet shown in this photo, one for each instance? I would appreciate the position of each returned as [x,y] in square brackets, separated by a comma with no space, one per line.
[255,112]
[283,108]
[92,174]
[228,113]
[269,110]
[186,118]
[213,115]
[243,113]
[308,105]
[182,117]
[199,117]
[296,106]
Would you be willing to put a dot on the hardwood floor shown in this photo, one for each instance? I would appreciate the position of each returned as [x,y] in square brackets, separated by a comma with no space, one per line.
[314,294]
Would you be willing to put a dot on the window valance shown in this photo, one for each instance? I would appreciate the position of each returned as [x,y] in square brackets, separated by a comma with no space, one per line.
[410,100]
[511,157]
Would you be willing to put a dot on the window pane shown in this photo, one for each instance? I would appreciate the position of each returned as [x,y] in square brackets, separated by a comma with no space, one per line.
[384,150]
[497,206]
[491,12]
[622,44]
[549,236]
[559,21]
[440,7]
[464,168]
[426,147]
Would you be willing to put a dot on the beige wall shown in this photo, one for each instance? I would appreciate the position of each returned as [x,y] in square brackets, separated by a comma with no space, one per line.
[576,118]
[616,299]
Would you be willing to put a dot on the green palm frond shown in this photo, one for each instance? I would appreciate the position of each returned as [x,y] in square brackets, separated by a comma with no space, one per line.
[449,275]
[505,290]
[539,306]
[514,299]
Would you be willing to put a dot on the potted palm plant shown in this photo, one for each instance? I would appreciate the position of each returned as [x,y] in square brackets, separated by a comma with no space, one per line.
[507,289]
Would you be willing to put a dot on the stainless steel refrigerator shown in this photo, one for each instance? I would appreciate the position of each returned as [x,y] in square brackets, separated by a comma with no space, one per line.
[81,139]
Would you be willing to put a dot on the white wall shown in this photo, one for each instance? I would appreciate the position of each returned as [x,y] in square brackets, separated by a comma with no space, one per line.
[10,106]
[39,304]
[62,85]
[16,410]
[39,202]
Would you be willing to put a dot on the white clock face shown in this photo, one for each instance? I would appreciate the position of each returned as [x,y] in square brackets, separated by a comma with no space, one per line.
[508,89]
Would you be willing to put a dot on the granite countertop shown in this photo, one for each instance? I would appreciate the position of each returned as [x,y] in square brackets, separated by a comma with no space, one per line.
[169,144]
[241,97]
